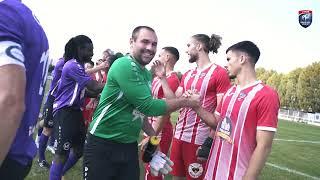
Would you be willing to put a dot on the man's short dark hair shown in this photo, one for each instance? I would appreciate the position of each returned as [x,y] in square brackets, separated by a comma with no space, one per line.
[248,47]
[172,50]
[137,29]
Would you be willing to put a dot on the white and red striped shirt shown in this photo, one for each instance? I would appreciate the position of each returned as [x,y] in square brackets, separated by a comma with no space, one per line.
[157,92]
[243,111]
[210,82]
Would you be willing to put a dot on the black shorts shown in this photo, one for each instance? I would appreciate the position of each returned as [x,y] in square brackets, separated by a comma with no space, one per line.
[108,160]
[13,170]
[69,130]
[47,112]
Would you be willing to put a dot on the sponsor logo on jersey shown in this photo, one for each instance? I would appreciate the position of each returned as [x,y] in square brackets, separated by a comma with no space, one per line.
[225,129]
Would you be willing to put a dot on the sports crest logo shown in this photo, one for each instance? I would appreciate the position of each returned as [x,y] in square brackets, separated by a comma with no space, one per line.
[305,18]
[195,170]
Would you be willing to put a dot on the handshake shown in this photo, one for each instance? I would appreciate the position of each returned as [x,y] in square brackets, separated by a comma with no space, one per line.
[158,161]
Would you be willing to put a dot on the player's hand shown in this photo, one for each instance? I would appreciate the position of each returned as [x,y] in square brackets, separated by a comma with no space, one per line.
[200,159]
[160,163]
[143,143]
[104,65]
[204,150]
[158,69]
[193,97]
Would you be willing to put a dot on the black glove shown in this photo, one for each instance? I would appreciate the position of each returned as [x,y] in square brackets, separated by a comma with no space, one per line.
[151,148]
[204,150]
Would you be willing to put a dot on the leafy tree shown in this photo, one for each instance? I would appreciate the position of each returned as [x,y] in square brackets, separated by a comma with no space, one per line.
[263,74]
[282,90]
[291,93]
[274,80]
[308,88]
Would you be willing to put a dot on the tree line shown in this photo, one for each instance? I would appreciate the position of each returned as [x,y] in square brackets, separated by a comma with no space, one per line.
[298,89]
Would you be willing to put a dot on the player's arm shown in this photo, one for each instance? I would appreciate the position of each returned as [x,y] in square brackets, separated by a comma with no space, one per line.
[158,70]
[167,92]
[138,92]
[219,99]
[260,154]
[267,119]
[222,84]
[173,84]
[160,122]
[95,93]
[12,93]
[83,79]
[147,127]
[208,117]
[94,88]
[102,66]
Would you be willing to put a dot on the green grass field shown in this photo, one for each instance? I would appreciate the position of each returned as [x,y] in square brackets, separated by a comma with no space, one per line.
[298,159]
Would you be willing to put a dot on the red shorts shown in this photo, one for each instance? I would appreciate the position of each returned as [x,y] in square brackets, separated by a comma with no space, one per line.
[183,155]
[166,138]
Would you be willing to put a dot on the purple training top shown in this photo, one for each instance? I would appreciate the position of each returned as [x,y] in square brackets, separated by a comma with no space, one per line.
[71,87]
[56,77]
[24,41]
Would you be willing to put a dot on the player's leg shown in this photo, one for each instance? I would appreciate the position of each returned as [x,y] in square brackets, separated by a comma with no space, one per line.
[193,168]
[46,133]
[39,127]
[97,162]
[127,161]
[178,170]
[63,133]
[77,141]
[13,170]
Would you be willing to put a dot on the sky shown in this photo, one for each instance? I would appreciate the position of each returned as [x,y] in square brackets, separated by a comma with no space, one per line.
[271,24]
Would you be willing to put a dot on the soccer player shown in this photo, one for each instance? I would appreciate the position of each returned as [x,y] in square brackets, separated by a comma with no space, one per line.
[48,108]
[69,131]
[162,124]
[23,70]
[211,81]
[111,151]
[246,120]
[47,114]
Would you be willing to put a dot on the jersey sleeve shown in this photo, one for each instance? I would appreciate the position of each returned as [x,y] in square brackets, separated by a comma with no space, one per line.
[77,73]
[135,88]
[11,36]
[222,82]
[173,82]
[182,80]
[218,109]
[267,111]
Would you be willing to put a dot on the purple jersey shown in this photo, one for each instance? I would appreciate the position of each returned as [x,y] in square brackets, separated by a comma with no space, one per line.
[24,43]
[56,76]
[71,86]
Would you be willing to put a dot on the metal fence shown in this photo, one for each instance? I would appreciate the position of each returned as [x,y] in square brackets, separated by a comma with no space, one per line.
[299,116]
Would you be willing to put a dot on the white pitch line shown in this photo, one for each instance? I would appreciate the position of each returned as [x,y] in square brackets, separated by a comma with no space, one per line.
[299,141]
[293,171]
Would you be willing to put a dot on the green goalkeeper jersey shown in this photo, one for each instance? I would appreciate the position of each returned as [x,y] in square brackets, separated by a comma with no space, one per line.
[124,102]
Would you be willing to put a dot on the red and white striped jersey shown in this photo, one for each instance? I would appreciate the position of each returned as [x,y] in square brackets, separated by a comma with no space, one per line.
[210,82]
[243,111]
[157,92]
